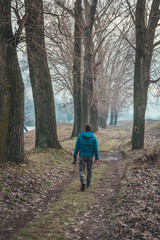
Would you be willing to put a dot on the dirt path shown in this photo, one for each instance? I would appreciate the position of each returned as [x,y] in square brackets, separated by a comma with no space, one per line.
[30,210]
[90,226]
[94,224]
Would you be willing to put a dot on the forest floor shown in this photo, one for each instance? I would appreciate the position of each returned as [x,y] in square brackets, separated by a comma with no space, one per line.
[41,199]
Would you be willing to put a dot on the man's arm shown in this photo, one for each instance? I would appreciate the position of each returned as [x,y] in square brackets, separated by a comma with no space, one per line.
[96,150]
[77,146]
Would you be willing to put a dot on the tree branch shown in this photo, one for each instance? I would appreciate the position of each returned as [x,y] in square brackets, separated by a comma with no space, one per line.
[93,12]
[124,37]
[59,3]
[154,81]
[130,10]
[20,29]
[129,42]
[156,44]
[153,19]
[59,23]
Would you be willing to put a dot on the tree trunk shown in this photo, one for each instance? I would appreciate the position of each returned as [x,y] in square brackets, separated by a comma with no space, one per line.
[12,92]
[77,69]
[141,84]
[104,121]
[46,129]
[107,108]
[94,101]
[140,101]
[111,117]
[144,51]
[88,78]
[94,116]
[115,118]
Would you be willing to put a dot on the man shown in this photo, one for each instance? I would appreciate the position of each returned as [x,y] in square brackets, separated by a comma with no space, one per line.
[87,147]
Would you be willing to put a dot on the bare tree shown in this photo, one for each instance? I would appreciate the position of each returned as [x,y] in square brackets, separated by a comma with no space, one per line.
[46,130]
[88,77]
[110,23]
[92,45]
[11,90]
[115,78]
[77,85]
[121,87]
[145,35]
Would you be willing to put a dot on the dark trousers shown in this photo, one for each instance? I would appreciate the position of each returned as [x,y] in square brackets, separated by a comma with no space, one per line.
[83,162]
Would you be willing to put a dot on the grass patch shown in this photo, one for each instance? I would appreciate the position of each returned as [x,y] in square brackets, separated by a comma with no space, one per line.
[69,144]
[121,194]
[151,124]
[108,146]
[53,223]
[126,147]
[123,133]
[41,158]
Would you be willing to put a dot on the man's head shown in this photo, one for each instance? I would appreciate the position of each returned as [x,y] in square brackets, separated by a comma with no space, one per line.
[87,127]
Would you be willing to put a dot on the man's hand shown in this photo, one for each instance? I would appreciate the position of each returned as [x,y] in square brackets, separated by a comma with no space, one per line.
[74,162]
[96,161]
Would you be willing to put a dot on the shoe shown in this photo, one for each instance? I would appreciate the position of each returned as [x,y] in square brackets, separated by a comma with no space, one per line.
[83,187]
[89,186]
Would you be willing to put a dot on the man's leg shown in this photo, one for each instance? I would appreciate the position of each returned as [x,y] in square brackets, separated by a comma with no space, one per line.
[81,172]
[89,170]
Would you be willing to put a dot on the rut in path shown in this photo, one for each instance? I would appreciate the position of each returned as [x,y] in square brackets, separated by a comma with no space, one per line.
[93,219]
[20,218]
[93,225]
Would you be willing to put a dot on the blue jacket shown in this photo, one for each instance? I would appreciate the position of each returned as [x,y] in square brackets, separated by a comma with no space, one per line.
[86,145]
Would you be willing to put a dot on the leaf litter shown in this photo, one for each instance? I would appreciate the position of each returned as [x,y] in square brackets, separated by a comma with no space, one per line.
[133,215]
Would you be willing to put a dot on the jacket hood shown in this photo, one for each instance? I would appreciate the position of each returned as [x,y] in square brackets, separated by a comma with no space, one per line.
[87,134]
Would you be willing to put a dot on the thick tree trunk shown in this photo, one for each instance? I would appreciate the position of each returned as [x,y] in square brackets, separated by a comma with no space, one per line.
[104,121]
[4,94]
[88,78]
[94,116]
[77,69]
[141,84]
[144,50]
[12,92]
[94,102]
[140,101]
[46,129]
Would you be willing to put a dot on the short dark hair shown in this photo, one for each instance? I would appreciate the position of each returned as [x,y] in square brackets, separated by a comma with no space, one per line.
[87,127]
